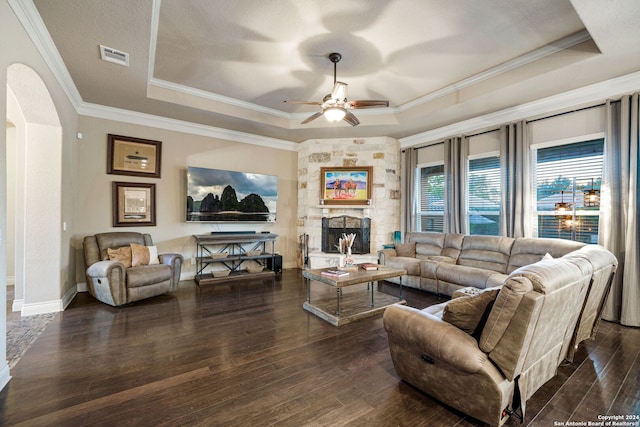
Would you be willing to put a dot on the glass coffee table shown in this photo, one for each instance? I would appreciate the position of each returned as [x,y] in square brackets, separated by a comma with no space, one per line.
[349,305]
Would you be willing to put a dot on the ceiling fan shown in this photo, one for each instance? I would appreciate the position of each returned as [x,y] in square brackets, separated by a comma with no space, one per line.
[335,106]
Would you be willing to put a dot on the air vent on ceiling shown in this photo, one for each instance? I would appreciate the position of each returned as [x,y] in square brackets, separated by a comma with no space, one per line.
[114,55]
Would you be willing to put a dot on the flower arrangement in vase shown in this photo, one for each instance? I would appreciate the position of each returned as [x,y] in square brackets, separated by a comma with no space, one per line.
[344,246]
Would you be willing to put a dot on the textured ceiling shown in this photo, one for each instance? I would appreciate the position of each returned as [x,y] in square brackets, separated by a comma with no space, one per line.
[231,64]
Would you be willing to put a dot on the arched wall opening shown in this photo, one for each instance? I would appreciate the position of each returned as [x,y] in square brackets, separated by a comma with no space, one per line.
[36,184]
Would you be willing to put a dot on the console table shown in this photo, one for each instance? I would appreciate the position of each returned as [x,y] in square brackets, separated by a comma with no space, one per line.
[230,254]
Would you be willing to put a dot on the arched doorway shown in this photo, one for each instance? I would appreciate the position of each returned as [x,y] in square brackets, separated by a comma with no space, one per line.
[37,210]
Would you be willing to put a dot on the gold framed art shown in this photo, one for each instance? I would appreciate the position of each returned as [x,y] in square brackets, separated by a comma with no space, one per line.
[346,185]
[134,204]
[133,156]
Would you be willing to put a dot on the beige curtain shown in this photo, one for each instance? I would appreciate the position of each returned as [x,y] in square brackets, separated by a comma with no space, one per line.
[619,208]
[456,151]
[409,163]
[516,181]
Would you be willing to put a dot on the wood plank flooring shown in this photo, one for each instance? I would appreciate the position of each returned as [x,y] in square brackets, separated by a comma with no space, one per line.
[247,354]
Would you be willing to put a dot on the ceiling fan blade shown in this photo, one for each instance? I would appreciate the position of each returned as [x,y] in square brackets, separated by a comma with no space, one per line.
[312,117]
[304,102]
[350,118]
[339,91]
[368,103]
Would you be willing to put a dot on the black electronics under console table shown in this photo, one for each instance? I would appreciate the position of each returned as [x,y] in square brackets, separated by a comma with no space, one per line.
[228,256]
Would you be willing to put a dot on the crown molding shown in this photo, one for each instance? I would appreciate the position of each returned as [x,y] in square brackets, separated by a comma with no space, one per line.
[159,122]
[33,25]
[518,62]
[597,92]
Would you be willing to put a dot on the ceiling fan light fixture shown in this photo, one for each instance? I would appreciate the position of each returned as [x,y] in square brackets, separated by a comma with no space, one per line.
[334,114]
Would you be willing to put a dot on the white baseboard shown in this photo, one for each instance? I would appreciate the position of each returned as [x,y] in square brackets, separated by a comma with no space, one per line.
[68,297]
[82,287]
[42,307]
[17,305]
[11,280]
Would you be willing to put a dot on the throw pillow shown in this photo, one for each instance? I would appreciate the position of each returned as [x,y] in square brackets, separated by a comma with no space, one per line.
[406,249]
[143,255]
[468,312]
[122,255]
[153,255]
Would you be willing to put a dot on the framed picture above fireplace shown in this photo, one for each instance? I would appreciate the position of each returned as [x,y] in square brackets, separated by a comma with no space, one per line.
[346,185]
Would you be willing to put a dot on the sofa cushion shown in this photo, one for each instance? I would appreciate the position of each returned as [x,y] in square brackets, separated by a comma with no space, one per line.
[147,275]
[467,312]
[406,249]
[486,252]
[529,250]
[122,255]
[426,243]
[469,276]
[412,265]
[502,312]
[429,266]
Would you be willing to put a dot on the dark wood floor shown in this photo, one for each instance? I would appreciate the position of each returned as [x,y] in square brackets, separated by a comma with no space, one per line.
[247,354]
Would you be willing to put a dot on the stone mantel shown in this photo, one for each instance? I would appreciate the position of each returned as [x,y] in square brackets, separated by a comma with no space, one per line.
[383,154]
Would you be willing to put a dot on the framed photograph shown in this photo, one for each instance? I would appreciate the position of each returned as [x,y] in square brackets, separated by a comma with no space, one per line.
[133,156]
[346,185]
[134,204]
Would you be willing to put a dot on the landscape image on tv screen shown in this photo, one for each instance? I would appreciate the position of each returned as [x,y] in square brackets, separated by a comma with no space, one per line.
[219,196]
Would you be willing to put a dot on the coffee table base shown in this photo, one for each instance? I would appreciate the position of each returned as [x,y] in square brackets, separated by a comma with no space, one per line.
[353,306]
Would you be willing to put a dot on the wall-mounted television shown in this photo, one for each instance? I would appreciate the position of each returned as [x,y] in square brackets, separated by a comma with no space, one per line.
[215,195]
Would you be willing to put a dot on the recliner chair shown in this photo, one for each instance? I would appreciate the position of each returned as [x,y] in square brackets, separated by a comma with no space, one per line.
[116,283]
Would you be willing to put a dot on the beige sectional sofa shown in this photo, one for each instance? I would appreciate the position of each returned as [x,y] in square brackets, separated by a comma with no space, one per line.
[488,349]
[443,262]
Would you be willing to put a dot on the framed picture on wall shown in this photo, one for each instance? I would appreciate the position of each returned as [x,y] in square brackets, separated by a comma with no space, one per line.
[134,204]
[346,185]
[133,156]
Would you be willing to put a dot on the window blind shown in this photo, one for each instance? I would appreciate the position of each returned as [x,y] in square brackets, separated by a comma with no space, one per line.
[431,198]
[483,196]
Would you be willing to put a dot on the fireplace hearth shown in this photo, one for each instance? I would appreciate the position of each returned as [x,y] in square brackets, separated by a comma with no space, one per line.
[334,227]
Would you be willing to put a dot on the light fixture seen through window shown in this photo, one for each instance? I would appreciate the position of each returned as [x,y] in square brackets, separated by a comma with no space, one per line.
[592,197]
[334,114]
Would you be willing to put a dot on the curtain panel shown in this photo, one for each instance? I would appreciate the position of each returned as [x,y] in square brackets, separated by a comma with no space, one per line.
[618,231]
[515,169]
[456,151]
[408,165]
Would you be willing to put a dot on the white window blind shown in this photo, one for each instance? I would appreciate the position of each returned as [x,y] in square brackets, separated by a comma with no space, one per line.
[431,198]
[563,173]
[484,195]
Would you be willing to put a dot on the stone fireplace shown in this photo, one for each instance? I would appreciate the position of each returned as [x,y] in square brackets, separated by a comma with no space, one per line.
[383,213]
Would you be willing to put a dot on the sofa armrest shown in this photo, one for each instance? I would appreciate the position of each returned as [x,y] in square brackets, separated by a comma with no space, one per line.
[434,338]
[175,261]
[385,254]
[107,282]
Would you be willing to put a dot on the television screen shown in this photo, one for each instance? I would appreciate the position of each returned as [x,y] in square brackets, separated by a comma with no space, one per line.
[226,196]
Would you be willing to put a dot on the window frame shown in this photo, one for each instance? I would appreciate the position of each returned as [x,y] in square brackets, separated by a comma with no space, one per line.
[535,213]
[467,190]
[419,213]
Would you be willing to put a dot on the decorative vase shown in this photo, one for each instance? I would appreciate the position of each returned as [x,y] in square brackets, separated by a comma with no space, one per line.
[349,258]
[342,261]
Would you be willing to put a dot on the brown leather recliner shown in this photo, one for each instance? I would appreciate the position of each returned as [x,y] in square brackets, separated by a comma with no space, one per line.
[489,370]
[117,283]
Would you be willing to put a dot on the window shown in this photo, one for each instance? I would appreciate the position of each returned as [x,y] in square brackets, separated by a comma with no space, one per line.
[483,196]
[563,173]
[431,198]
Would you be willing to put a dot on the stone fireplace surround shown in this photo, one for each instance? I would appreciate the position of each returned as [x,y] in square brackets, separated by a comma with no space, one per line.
[383,154]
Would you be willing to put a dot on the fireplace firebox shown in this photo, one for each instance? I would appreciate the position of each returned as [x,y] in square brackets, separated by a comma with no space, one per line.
[334,227]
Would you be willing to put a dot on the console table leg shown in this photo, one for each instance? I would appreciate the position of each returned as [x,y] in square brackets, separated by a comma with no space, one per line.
[308,290]
[338,293]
